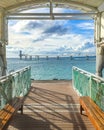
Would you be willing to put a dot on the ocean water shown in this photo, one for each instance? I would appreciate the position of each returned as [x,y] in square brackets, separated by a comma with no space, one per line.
[52,68]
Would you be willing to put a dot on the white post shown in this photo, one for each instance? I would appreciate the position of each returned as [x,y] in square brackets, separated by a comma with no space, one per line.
[3,41]
[99,39]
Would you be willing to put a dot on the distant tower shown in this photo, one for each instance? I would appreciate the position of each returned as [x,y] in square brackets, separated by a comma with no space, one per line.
[38,57]
[57,57]
[71,57]
[87,57]
[47,57]
[20,55]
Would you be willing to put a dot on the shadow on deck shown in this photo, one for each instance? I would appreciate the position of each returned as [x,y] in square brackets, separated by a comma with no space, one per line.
[51,105]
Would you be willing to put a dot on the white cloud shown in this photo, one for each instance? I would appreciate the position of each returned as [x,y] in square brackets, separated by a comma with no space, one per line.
[86,25]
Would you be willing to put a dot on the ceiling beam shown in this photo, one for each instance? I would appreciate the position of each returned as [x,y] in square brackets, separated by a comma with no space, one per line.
[54,14]
[48,18]
[57,16]
[101,7]
[51,10]
[21,14]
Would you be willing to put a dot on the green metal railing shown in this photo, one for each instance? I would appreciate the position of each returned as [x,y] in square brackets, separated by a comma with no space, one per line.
[16,84]
[87,84]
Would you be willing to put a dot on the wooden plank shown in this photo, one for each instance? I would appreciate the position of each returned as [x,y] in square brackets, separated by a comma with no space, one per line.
[9,110]
[94,109]
[87,107]
[6,114]
[93,112]
[101,113]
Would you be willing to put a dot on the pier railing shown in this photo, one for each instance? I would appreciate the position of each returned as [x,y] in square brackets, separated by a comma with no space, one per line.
[14,85]
[87,84]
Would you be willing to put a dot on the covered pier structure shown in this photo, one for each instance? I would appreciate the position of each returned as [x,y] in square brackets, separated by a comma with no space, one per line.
[57,103]
[93,9]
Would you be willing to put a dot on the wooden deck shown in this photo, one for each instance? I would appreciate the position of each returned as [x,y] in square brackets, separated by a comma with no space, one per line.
[51,105]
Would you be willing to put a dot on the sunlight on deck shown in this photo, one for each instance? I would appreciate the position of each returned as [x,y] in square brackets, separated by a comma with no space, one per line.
[51,105]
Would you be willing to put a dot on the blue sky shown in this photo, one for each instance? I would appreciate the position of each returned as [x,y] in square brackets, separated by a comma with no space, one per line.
[53,37]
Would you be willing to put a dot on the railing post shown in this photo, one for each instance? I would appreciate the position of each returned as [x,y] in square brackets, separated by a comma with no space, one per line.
[3,41]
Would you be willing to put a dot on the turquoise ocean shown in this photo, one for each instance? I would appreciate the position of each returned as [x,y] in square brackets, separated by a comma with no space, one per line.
[52,68]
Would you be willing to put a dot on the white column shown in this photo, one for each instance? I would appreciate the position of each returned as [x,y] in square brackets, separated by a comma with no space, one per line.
[3,41]
[99,39]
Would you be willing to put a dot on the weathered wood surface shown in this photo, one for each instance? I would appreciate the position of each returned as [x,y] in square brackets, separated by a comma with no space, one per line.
[51,105]
[95,114]
[7,113]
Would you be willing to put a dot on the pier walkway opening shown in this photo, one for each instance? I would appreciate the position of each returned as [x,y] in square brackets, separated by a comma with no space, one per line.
[51,105]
